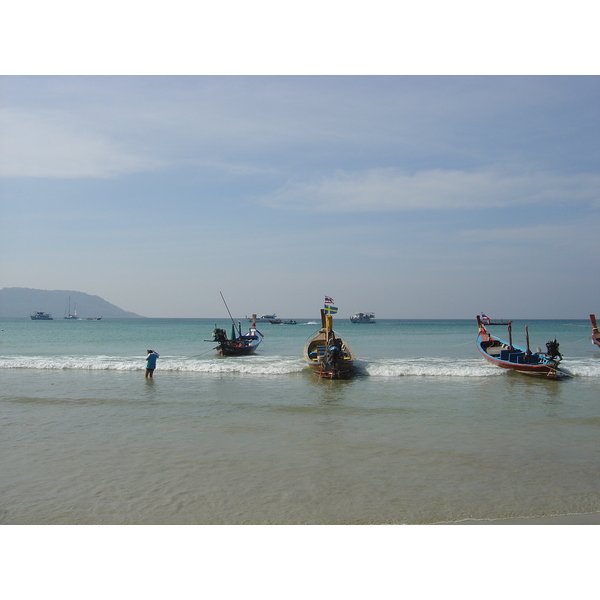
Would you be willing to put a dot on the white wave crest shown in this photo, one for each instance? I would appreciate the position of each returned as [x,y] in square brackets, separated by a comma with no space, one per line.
[428,367]
[582,367]
[254,365]
[283,365]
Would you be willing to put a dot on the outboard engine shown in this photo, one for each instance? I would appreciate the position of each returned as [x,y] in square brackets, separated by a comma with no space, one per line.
[552,349]
[219,335]
[334,354]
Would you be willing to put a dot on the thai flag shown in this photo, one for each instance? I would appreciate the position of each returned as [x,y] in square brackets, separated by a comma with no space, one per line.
[330,309]
[485,318]
[328,300]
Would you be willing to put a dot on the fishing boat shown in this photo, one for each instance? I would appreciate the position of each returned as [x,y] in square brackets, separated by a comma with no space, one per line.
[238,344]
[68,314]
[595,332]
[40,315]
[94,319]
[508,356]
[363,318]
[327,354]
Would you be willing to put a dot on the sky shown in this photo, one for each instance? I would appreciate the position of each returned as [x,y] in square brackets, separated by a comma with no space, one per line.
[409,196]
[417,195]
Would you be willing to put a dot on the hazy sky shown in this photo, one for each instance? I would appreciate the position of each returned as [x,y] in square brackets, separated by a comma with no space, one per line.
[409,196]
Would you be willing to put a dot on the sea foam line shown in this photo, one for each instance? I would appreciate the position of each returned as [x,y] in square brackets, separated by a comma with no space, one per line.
[427,367]
[282,365]
[244,365]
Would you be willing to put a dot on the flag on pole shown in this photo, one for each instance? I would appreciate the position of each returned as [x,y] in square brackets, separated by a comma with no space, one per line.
[330,309]
[328,300]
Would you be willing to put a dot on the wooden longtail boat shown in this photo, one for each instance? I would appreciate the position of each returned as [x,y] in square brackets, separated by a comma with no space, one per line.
[238,344]
[327,354]
[595,332]
[508,356]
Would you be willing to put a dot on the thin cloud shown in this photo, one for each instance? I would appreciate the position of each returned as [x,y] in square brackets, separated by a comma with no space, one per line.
[378,190]
[545,236]
[48,144]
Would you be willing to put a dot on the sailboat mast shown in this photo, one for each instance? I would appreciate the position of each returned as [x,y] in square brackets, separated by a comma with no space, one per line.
[227,307]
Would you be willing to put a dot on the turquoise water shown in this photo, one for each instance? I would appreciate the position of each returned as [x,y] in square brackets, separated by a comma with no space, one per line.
[427,431]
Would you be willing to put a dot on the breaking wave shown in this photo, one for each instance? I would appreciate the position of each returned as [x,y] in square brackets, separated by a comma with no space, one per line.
[427,367]
[283,365]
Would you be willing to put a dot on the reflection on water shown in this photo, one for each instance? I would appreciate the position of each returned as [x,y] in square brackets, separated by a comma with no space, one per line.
[331,391]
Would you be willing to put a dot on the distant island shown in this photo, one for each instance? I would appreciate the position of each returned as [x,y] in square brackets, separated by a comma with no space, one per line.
[21,302]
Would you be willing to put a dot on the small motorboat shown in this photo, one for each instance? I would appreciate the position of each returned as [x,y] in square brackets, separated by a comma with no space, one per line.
[508,356]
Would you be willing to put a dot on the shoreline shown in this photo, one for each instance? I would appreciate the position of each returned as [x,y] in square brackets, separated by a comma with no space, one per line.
[576,519]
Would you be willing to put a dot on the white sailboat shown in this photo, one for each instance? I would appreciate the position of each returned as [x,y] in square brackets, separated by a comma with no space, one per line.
[68,311]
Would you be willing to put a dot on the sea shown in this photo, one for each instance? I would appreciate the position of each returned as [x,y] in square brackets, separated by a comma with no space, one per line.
[426,432]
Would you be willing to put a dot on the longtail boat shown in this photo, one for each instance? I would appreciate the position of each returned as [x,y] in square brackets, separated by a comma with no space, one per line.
[238,344]
[595,332]
[327,354]
[509,356]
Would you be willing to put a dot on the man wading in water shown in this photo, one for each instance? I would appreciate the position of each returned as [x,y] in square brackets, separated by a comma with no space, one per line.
[151,363]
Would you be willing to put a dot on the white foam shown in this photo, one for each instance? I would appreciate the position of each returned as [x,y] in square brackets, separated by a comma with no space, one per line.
[246,365]
[428,367]
[582,367]
[282,365]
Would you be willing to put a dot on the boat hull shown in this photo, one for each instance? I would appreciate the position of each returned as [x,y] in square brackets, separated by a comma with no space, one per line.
[236,348]
[345,372]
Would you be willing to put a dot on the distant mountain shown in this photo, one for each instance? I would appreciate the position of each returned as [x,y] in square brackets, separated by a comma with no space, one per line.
[21,302]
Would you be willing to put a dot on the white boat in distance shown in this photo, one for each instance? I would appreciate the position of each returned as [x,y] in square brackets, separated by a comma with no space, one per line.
[363,318]
[39,315]
[68,314]
[263,318]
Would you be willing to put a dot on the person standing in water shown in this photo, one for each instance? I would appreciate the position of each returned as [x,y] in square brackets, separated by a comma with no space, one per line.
[151,363]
